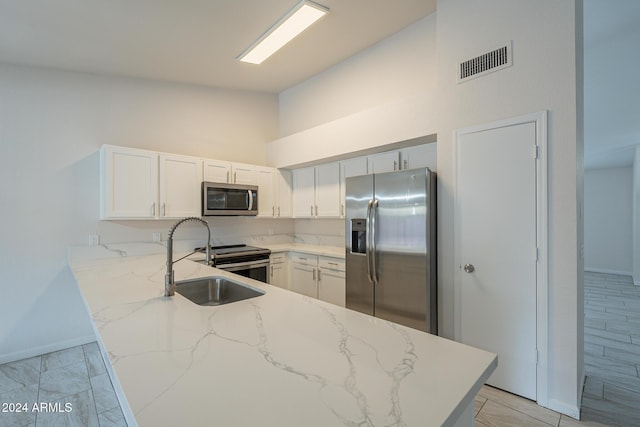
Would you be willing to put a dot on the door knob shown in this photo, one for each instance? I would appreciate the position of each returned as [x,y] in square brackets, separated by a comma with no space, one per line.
[469,268]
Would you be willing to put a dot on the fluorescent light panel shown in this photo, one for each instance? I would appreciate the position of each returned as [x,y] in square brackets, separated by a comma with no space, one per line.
[293,23]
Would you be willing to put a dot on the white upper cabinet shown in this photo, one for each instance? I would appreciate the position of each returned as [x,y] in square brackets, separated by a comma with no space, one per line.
[350,167]
[129,183]
[180,178]
[243,174]
[266,192]
[316,191]
[216,171]
[327,190]
[304,193]
[384,162]
[274,192]
[419,156]
[140,184]
[284,194]
[230,173]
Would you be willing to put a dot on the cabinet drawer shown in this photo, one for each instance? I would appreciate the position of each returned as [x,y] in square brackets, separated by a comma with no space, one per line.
[331,264]
[304,259]
[278,258]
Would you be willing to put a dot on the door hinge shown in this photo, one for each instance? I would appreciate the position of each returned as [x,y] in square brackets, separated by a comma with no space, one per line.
[537,356]
[537,254]
[536,151]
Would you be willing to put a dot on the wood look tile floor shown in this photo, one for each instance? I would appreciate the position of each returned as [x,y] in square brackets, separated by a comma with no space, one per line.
[611,395]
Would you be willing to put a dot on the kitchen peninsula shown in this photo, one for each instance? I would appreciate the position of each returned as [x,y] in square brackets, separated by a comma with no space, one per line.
[278,359]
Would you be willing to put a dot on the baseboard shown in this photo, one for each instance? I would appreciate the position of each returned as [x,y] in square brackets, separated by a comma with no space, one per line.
[607,271]
[37,351]
[571,410]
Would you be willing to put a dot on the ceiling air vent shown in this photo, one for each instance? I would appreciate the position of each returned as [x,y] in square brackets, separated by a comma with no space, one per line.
[484,64]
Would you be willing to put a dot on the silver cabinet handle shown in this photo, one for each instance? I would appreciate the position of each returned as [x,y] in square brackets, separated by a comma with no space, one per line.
[153,209]
[405,165]
[342,209]
[469,268]
[314,274]
[395,165]
[271,268]
[278,211]
[235,177]
[319,271]
[227,176]
[316,210]
[164,209]
[311,210]
[273,211]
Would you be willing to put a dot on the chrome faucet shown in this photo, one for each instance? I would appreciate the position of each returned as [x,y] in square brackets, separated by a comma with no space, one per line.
[169,280]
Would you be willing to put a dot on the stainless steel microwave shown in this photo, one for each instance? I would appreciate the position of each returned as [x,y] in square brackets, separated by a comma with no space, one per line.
[229,199]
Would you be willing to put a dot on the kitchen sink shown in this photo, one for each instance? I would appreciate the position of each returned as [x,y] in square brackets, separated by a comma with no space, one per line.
[215,290]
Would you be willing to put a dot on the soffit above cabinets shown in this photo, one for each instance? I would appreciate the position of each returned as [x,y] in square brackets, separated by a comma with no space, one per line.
[193,41]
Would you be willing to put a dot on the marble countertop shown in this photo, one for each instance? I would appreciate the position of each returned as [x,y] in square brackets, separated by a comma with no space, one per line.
[279,359]
[330,251]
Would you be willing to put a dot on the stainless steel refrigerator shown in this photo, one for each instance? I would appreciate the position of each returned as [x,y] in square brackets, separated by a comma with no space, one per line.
[391,247]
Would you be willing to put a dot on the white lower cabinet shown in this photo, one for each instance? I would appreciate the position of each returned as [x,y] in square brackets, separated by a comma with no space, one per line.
[279,270]
[331,280]
[318,277]
[304,274]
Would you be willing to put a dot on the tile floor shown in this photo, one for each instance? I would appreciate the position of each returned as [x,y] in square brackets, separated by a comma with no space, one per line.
[73,382]
[611,394]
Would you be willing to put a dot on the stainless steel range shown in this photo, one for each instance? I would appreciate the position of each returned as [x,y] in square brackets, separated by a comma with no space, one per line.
[247,261]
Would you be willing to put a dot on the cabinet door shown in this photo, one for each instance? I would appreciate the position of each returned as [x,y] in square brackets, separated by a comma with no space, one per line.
[129,183]
[384,162]
[303,193]
[303,280]
[266,192]
[351,167]
[419,156]
[332,287]
[243,174]
[284,192]
[180,178]
[278,275]
[328,190]
[217,171]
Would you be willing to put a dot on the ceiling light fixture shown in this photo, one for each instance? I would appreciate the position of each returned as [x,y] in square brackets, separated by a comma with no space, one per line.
[282,32]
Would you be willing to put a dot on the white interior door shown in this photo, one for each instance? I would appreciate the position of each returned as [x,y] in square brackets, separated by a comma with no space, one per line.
[496,251]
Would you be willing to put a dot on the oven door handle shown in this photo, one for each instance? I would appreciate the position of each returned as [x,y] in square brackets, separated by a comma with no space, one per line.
[241,265]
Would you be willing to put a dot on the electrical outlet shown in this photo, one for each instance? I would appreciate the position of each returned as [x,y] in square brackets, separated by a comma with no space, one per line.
[94,239]
[156,236]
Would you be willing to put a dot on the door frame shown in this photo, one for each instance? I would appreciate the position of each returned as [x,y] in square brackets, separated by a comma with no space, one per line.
[542,267]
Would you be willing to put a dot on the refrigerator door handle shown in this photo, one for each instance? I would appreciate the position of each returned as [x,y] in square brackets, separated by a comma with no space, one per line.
[374,259]
[368,241]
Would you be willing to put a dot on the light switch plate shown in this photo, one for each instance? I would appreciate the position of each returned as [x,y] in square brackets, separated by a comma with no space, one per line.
[94,239]
[156,236]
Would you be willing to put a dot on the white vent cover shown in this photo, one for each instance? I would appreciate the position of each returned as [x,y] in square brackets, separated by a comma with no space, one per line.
[484,64]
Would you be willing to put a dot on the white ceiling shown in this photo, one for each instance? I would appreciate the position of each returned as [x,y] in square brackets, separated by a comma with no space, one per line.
[193,41]
[197,42]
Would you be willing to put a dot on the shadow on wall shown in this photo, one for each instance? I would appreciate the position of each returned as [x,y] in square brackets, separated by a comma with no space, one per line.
[61,301]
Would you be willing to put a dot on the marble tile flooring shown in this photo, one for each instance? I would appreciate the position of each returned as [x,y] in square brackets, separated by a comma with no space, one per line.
[611,396]
[68,388]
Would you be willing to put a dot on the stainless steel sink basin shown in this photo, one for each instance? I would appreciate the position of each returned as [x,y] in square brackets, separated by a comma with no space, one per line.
[215,290]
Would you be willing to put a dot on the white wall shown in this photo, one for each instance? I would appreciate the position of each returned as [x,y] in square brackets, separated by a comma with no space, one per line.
[383,95]
[545,76]
[51,125]
[397,67]
[608,220]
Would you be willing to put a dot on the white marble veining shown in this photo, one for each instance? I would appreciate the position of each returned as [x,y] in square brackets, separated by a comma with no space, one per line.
[278,359]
